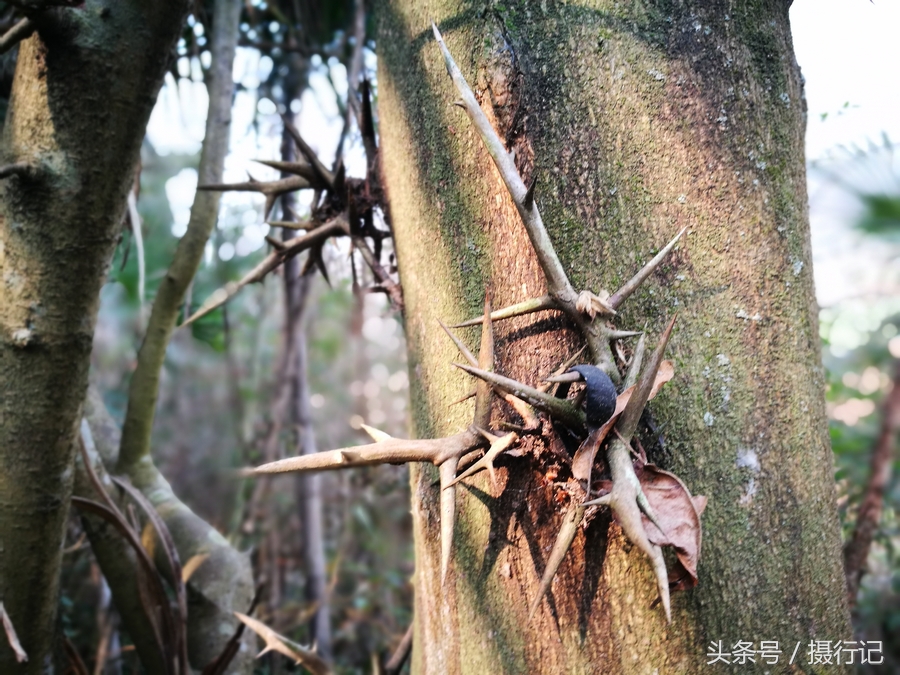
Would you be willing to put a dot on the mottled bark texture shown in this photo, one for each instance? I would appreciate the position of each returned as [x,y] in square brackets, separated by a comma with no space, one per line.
[84,86]
[636,119]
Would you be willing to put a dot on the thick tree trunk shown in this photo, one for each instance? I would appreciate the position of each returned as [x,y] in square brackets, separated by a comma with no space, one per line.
[636,119]
[84,87]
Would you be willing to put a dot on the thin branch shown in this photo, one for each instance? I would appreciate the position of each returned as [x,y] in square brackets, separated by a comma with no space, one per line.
[24,169]
[856,551]
[292,247]
[144,386]
[22,30]
[396,662]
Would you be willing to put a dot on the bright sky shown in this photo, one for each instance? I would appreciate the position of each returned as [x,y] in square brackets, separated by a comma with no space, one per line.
[850,57]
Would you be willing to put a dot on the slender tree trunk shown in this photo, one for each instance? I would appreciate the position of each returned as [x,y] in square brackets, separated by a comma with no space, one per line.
[636,119]
[84,87]
[308,486]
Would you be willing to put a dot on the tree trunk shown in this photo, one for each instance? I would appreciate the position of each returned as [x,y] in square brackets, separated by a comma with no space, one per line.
[84,87]
[636,119]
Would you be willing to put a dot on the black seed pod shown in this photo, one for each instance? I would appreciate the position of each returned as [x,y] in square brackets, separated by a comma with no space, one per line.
[600,395]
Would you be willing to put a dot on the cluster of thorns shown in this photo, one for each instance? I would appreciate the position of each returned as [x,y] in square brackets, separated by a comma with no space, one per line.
[652,507]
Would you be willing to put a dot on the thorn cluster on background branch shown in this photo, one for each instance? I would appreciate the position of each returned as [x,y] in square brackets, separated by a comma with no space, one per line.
[652,507]
[342,207]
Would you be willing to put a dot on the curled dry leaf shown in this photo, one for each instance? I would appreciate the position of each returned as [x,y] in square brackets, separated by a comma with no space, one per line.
[679,514]
[584,457]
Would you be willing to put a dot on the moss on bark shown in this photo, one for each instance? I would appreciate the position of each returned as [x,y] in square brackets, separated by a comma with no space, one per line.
[636,120]
[84,86]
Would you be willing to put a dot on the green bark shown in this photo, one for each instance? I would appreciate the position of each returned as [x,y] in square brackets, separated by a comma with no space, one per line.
[83,90]
[636,120]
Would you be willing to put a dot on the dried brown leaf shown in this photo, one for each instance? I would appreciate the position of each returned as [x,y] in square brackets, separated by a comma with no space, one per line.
[679,514]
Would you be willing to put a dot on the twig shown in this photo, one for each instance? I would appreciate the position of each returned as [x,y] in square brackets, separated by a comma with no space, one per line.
[144,387]
[24,169]
[396,662]
[291,248]
[856,551]
[23,29]
[11,636]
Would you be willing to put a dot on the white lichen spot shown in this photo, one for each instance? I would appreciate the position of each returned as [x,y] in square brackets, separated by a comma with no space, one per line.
[708,419]
[797,267]
[785,99]
[680,277]
[748,459]
[22,337]
[656,75]
[682,198]
[697,26]
[723,360]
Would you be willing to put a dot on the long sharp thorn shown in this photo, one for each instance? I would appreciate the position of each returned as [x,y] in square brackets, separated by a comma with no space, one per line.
[605,500]
[632,284]
[647,510]
[448,513]
[662,580]
[465,398]
[275,243]
[631,415]
[557,281]
[564,377]
[567,532]
[563,367]
[498,447]
[637,360]
[467,355]
[485,362]
[376,434]
[531,306]
[296,168]
[561,409]
[621,334]
[324,174]
[528,202]
[487,435]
